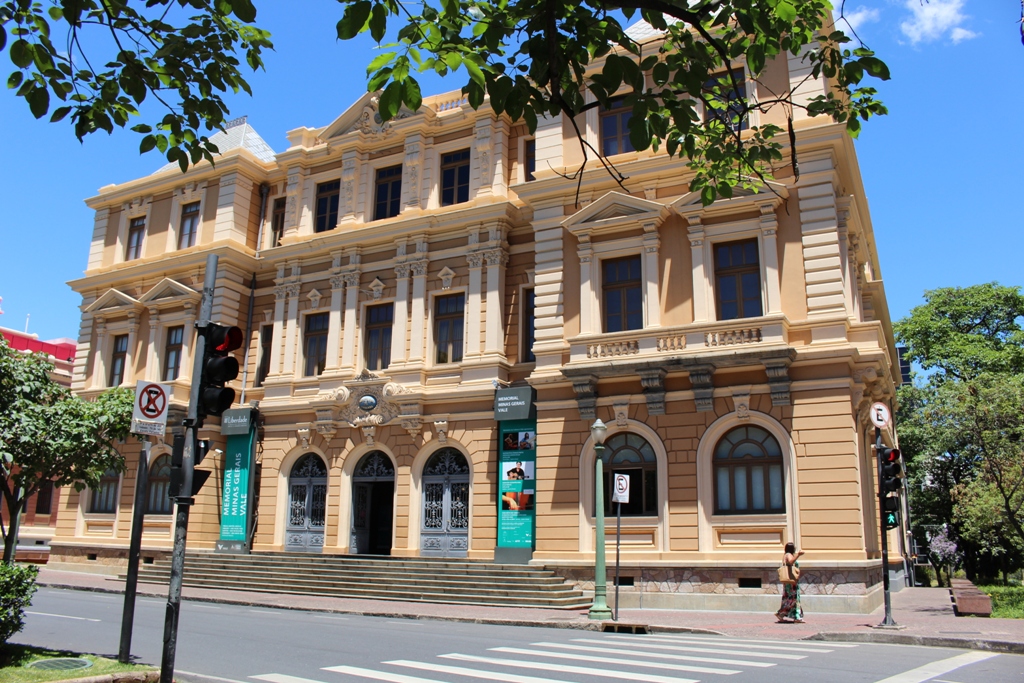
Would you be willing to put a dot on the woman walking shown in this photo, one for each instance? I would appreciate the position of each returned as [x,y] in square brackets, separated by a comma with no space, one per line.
[790,608]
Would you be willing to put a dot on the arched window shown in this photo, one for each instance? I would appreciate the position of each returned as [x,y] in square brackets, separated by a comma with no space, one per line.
[630,454]
[158,499]
[104,496]
[748,473]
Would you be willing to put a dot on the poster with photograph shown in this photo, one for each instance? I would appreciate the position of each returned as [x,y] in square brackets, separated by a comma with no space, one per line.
[517,480]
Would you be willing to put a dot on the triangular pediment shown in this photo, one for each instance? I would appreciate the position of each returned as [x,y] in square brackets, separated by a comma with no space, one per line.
[362,116]
[615,211]
[168,291]
[742,199]
[113,301]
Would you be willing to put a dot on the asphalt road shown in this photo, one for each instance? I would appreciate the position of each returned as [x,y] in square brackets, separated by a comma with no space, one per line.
[230,643]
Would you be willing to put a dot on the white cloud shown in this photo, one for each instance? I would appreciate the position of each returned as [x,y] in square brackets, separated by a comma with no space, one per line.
[860,16]
[934,19]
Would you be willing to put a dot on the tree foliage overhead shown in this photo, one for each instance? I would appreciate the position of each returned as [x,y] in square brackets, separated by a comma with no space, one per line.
[537,58]
[99,60]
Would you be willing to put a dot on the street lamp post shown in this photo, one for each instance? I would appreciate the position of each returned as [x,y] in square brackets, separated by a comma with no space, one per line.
[600,609]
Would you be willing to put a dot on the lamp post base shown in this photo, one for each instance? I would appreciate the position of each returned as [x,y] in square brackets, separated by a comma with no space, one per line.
[599,612]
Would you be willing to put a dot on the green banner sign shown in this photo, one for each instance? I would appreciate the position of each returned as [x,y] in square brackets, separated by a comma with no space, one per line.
[236,507]
[517,491]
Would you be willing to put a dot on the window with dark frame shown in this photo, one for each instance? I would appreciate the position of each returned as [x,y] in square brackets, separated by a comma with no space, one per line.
[316,343]
[104,497]
[172,352]
[615,128]
[388,193]
[44,499]
[737,280]
[529,325]
[277,222]
[728,102]
[622,290]
[455,177]
[158,498]
[632,455]
[136,232]
[189,225]
[266,347]
[327,196]
[379,322]
[448,327]
[748,473]
[529,159]
[117,360]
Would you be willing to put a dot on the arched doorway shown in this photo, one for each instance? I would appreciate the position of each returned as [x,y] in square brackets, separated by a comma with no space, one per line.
[445,530]
[373,502]
[307,505]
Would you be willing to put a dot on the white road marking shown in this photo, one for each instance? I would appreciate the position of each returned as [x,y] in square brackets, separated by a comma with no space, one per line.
[61,616]
[473,673]
[615,660]
[566,668]
[375,675]
[207,676]
[192,604]
[265,611]
[327,616]
[687,648]
[284,678]
[722,643]
[943,666]
[658,655]
[808,643]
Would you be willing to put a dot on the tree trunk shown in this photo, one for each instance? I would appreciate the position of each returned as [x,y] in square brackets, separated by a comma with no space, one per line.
[11,540]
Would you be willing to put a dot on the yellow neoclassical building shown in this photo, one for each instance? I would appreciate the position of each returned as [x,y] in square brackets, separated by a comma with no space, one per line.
[400,275]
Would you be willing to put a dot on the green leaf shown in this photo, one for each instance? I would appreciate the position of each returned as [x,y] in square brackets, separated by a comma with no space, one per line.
[378,22]
[15,80]
[59,114]
[354,19]
[3,37]
[476,74]
[148,143]
[390,101]
[56,13]
[379,61]
[39,102]
[475,94]
[411,94]
[21,53]
[876,67]
[244,10]
[785,11]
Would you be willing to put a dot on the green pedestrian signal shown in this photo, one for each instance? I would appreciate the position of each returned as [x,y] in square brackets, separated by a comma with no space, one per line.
[892,519]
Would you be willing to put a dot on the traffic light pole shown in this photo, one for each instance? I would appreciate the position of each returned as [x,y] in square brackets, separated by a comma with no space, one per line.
[184,499]
[885,532]
[131,582]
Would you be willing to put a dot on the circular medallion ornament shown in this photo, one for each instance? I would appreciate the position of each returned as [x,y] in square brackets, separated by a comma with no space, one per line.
[367,402]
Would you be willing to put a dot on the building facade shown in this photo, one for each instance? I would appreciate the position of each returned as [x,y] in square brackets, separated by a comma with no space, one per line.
[399,272]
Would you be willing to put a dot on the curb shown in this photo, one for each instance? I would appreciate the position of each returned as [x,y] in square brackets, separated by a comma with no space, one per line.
[121,677]
[1004,646]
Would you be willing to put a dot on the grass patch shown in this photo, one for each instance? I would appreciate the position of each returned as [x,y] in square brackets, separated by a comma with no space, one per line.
[1007,601]
[14,660]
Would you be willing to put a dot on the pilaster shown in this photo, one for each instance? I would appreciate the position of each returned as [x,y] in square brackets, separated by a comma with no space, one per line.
[588,287]
[399,333]
[652,291]
[152,371]
[493,337]
[769,227]
[695,231]
[233,208]
[474,304]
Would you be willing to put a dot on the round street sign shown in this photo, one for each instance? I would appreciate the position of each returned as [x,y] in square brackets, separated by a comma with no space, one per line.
[880,415]
[152,401]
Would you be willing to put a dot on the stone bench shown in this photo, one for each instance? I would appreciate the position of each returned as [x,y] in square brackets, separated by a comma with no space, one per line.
[968,601]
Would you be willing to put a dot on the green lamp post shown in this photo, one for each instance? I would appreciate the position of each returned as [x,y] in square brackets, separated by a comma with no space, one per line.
[600,609]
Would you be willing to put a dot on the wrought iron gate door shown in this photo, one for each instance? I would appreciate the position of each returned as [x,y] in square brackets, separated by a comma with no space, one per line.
[445,528]
[307,505]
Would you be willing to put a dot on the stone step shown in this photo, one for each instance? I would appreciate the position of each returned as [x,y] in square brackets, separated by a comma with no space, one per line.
[295,559]
[377,567]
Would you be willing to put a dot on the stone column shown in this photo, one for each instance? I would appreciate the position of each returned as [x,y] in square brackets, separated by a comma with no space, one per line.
[280,294]
[588,290]
[187,335]
[652,291]
[419,302]
[401,325]
[474,303]
[493,337]
[99,374]
[348,345]
[346,211]
[293,204]
[292,335]
[411,172]
[153,372]
[334,328]
[700,283]
[769,226]
[128,378]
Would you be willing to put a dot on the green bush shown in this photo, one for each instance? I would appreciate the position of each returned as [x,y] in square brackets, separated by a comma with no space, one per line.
[1007,601]
[17,585]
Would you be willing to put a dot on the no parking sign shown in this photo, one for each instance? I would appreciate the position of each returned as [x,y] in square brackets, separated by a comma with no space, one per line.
[149,416]
[620,494]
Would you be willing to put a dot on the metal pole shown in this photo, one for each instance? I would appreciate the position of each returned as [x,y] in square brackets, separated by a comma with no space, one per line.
[14,528]
[599,610]
[185,500]
[885,532]
[618,547]
[124,653]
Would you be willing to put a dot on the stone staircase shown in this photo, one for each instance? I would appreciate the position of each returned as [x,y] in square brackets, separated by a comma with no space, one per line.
[375,578]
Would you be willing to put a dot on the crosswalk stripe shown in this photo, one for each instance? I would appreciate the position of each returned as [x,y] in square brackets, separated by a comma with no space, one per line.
[375,675]
[566,668]
[808,643]
[685,658]
[686,648]
[615,660]
[943,666]
[283,678]
[473,673]
[720,643]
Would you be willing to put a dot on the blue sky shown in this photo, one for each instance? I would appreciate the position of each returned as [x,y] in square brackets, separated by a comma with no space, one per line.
[942,172]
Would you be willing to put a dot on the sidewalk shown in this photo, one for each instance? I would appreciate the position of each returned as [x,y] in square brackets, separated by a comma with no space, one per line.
[925,615]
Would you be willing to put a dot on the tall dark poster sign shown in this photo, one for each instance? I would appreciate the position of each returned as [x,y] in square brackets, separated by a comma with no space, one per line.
[517,483]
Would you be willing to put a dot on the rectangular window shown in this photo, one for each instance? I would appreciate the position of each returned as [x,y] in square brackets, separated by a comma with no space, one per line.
[117,360]
[316,343]
[529,159]
[737,280]
[388,196]
[189,225]
[44,499]
[104,497]
[327,195]
[622,287]
[726,104]
[448,327]
[136,231]
[277,222]
[529,325]
[615,128]
[172,352]
[379,320]
[455,177]
[266,345]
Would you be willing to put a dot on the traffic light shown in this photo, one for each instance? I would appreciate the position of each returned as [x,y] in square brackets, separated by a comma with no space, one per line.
[892,469]
[219,367]
[892,519]
[178,473]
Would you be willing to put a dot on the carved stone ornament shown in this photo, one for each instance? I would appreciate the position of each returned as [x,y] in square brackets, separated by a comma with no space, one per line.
[377,287]
[778,379]
[314,297]
[703,390]
[586,396]
[621,413]
[374,402]
[441,430]
[369,432]
[741,402]
[653,382]
[304,434]
[446,276]
[413,425]
[475,259]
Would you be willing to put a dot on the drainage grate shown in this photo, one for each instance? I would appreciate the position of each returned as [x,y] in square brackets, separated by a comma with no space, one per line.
[615,627]
[61,664]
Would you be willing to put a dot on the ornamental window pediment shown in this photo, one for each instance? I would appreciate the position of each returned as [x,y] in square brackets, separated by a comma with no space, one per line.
[616,212]
[113,302]
[169,293]
[742,201]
